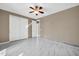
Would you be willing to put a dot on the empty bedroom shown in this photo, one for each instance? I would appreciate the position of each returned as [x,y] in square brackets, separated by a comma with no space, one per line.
[39,29]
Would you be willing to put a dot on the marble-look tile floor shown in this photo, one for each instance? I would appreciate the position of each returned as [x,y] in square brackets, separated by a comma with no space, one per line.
[40,47]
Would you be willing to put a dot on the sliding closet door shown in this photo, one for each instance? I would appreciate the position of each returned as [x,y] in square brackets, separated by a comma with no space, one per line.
[18,28]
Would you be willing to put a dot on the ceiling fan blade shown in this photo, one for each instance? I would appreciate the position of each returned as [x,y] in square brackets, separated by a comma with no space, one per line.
[36,7]
[31,8]
[31,11]
[41,12]
[36,14]
[40,7]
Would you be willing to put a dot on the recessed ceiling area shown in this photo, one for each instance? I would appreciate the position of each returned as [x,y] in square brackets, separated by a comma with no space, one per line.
[48,8]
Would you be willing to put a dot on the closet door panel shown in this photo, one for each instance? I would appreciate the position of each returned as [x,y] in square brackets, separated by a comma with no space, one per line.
[17,28]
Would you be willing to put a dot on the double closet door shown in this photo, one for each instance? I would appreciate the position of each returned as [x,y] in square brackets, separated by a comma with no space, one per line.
[18,28]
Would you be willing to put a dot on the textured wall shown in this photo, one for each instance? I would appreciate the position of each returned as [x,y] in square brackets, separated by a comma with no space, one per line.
[62,26]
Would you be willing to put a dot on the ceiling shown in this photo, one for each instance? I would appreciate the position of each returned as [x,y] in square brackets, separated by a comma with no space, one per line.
[23,8]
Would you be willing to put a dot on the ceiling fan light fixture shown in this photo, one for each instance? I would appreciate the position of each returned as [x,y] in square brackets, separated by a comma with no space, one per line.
[36,10]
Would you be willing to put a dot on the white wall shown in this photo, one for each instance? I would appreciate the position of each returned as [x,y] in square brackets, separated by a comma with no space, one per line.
[18,28]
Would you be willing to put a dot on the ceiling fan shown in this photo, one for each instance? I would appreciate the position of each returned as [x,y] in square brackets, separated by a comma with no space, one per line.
[36,10]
